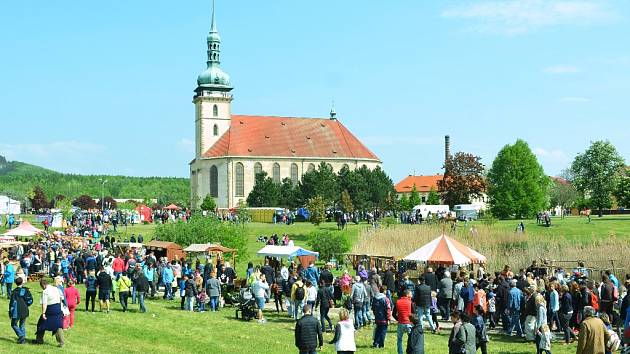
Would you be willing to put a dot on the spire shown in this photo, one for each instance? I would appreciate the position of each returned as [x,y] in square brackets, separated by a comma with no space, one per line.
[333,114]
[213,76]
[213,27]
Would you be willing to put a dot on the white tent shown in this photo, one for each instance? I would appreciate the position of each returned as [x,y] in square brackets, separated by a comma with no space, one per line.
[9,206]
[285,251]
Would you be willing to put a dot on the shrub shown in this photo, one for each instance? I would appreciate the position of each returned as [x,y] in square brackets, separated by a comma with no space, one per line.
[328,244]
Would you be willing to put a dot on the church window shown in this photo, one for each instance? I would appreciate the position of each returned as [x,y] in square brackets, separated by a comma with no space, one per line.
[239,183]
[215,130]
[276,172]
[257,169]
[345,165]
[214,182]
[311,167]
[215,111]
[294,173]
[330,167]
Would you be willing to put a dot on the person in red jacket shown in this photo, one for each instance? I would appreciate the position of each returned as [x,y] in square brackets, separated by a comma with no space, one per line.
[403,310]
[118,266]
[72,299]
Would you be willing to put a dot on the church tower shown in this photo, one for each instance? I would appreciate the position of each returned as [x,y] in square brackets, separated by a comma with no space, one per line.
[213,100]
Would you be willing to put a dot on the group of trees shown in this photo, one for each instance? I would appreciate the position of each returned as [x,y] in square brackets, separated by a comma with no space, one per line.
[18,180]
[518,186]
[347,190]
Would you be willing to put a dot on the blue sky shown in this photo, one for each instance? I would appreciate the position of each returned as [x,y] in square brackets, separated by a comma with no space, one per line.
[106,87]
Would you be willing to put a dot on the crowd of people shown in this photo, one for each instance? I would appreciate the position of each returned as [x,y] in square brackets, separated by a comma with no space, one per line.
[530,306]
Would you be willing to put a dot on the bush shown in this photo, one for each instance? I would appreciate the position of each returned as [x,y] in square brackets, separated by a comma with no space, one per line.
[329,244]
[203,230]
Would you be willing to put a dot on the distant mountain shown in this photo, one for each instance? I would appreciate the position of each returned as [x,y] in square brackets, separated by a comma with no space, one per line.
[17,180]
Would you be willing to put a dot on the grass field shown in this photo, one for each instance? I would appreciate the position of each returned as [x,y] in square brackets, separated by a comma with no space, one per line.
[166,329]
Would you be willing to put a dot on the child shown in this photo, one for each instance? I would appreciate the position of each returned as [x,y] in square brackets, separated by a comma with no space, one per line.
[201,300]
[492,308]
[73,299]
[415,341]
[544,344]
[435,311]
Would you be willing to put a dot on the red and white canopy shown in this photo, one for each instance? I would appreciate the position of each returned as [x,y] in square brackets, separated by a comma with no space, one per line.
[25,229]
[447,251]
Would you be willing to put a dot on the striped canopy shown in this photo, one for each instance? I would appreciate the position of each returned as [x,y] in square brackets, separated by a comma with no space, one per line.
[447,251]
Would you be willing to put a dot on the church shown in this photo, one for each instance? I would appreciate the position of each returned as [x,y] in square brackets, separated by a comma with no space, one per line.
[231,149]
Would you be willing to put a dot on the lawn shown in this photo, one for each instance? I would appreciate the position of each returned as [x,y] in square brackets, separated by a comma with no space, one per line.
[165,329]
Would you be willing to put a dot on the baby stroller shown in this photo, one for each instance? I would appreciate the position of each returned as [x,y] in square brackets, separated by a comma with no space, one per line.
[246,305]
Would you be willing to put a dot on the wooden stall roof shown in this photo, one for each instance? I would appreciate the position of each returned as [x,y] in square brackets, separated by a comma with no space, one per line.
[162,244]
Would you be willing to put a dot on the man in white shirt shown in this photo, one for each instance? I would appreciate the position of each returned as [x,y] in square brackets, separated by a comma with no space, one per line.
[260,289]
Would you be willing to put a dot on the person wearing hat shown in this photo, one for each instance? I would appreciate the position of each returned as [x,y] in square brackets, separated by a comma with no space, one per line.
[593,335]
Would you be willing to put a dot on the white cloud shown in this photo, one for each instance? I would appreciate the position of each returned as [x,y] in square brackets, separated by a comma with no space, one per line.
[513,17]
[186,145]
[574,99]
[561,69]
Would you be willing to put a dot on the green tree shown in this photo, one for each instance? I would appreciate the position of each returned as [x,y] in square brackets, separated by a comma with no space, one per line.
[65,206]
[317,208]
[346,202]
[414,197]
[356,185]
[208,204]
[38,199]
[404,203]
[321,182]
[622,192]
[290,195]
[329,244]
[595,173]
[242,211]
[517,183]
[563,194]
[433,198]
[380,186]
[265,193]
[463,179]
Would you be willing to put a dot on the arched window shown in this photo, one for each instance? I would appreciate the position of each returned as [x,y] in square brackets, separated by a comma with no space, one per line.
[330,167]
[239,183]
[294,173]
[257,169]
[276,172]
[311,167]
[215,130]
[215,111]
[345,165]
[214,182]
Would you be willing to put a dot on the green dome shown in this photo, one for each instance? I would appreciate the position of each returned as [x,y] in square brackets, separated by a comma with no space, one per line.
[213,76]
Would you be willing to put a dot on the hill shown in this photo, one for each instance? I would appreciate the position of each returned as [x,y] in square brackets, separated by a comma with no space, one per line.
[17,179]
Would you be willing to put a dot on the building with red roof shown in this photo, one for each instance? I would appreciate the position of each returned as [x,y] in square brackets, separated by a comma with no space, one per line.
[231,149]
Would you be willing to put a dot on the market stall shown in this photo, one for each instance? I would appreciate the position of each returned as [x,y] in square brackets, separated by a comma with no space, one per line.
[24,230]
[445,250]
[210,249]
[170,250]
[305,256]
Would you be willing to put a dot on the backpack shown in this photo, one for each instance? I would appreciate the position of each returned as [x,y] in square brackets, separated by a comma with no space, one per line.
[594,301]
[299,293]
[359,296]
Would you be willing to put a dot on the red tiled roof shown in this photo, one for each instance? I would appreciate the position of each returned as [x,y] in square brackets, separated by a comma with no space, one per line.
[422,183]
[288,137]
